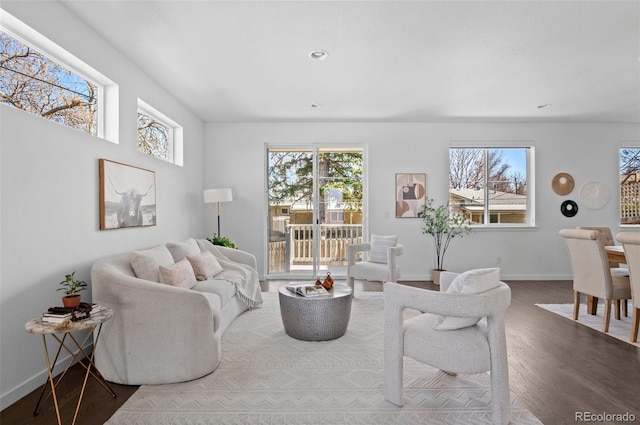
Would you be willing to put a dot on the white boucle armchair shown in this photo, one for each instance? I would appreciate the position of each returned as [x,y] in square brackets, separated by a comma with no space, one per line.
[470,350]
[387,271]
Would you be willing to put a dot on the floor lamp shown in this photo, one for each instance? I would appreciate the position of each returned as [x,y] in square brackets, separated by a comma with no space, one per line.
[215,196]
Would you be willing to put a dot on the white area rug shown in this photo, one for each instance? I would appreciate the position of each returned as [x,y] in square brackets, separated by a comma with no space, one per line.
[619,329]
[266,377]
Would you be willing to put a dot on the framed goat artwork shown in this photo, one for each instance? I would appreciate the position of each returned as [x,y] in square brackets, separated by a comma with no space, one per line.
[411,194]
[127,196]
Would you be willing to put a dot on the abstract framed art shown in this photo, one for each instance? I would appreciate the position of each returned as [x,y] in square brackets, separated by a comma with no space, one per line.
[127,196]
[411,194]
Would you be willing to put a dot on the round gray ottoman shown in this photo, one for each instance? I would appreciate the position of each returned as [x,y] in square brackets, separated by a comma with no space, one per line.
[320,318]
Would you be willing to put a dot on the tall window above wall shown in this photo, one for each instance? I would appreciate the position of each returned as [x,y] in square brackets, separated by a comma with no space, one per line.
[35,83]
[158,135]
[492,185]
[630,186]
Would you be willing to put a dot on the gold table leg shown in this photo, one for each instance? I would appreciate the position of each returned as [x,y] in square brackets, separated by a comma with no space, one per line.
[74,356]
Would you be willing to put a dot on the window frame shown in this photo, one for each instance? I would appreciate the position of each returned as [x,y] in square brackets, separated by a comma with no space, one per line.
[627,145]
[107,102]
[530,221]
[175,148]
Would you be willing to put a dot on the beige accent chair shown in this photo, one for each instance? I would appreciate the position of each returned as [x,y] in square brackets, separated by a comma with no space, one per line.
[379,266]
[592,275]
[473,349]
[605,237]
[631,243]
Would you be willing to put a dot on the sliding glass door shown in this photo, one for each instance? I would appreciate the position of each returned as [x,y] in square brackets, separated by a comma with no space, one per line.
[315,204]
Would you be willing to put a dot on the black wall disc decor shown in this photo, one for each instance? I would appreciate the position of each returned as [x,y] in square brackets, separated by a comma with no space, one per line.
[569,208]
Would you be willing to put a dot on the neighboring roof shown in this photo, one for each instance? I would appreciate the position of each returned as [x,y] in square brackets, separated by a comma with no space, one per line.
[472,200]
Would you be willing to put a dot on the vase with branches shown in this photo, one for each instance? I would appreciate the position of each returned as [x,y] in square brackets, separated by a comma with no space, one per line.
[443,226]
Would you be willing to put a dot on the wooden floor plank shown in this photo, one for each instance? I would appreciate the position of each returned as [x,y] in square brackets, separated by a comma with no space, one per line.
[556,367]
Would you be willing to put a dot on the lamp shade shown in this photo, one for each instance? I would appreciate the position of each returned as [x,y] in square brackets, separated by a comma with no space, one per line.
[211,196]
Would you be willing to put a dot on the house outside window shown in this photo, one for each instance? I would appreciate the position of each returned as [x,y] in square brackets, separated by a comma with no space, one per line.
[491,185]
[158,135]
[630,186]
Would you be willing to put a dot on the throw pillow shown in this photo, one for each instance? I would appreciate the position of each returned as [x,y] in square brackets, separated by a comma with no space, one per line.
[379,245]
[205,265]
[179,274]
[472,282]
[179,250]
[145,263]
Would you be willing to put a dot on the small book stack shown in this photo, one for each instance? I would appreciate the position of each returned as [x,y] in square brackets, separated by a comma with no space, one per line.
[53,316]
[308,290]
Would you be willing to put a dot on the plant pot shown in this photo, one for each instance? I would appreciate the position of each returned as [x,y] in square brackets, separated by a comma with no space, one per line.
[71,301]
[436,276]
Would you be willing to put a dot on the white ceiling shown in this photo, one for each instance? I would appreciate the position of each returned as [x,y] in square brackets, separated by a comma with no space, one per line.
[394,61]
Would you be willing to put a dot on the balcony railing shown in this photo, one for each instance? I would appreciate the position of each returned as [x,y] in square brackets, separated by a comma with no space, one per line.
[296,251]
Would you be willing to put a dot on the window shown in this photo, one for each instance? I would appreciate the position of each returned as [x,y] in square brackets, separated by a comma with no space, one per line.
[39,77]
[629,186]
[34,83]
[491,185]
[158,135]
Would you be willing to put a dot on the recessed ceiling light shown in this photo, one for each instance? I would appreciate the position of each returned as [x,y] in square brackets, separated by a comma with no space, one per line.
[316,105]
[546,105]
[319,54]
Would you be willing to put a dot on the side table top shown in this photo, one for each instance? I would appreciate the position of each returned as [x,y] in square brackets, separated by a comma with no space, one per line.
[338,290]
[36,326]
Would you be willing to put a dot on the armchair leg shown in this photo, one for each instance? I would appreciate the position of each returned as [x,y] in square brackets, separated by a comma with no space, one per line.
[576,304]
[350,282]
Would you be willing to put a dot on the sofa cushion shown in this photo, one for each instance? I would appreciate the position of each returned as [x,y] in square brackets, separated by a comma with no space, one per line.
[179,274]
[146,263]
[225,290]
[205,265]
[179,250]
[472,282]
[379,245]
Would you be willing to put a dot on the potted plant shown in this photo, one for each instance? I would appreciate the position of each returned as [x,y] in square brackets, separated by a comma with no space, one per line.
[222,241]
[443,226]
[71,286]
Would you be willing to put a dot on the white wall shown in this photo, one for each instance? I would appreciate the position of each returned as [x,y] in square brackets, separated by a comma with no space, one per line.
[589,152]
[49,194]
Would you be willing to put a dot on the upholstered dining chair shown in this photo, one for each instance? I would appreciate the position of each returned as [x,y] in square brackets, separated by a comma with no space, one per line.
[592,275]
[461,330]
[631,243]
[605,237]
[380,265]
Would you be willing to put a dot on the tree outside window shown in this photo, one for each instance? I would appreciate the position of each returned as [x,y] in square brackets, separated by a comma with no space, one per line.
[489,185]
[34,83]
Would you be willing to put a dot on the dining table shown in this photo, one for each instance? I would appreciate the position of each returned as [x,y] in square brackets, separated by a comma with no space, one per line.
[615,254]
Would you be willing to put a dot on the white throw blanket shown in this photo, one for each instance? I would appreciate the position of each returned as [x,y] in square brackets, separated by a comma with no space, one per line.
[244,277]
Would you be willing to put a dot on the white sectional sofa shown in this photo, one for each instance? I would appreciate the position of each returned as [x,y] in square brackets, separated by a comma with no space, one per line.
[161,333]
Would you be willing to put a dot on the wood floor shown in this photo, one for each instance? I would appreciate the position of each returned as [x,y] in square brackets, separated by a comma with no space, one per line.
[557,367]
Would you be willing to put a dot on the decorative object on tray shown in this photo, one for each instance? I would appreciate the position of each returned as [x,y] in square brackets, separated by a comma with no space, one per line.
[594,195]
[443,226]
[562,183]
[308,290]
[328,282]
[71,286]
